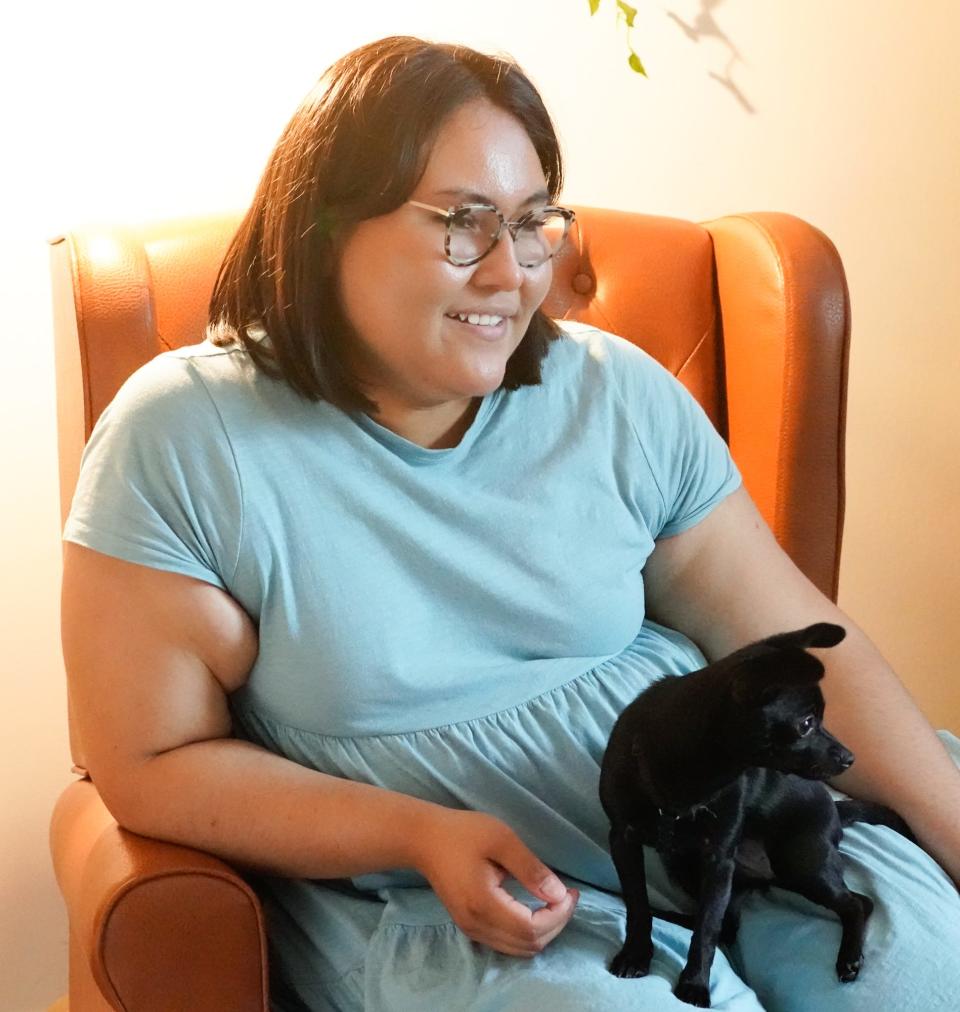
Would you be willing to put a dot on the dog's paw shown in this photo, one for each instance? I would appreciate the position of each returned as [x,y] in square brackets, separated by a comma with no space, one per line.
[848,970]
[693,994]
[630,963]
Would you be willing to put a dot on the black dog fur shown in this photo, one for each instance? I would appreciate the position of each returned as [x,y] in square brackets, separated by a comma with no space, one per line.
[719,771]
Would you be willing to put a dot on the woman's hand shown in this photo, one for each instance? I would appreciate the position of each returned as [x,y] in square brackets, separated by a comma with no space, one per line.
[466,856]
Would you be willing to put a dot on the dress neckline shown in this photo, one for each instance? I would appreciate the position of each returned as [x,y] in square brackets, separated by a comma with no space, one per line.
[414,453]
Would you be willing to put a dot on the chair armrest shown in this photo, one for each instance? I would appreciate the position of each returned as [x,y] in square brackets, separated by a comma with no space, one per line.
[785,313]
[158,926]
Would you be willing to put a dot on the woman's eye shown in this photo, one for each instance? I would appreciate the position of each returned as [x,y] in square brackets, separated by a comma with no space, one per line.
[537,220]
[472,222]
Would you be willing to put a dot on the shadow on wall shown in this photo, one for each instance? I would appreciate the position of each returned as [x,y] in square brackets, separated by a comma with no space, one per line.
[705,26]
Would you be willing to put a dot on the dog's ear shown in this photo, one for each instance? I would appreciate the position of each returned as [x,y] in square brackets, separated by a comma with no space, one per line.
[760,678]
[822,634]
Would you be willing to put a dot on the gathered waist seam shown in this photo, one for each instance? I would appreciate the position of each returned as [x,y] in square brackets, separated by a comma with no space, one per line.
[583,676]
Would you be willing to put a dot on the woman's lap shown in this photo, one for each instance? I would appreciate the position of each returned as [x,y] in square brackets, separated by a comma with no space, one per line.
[785,952]
[786,949]
[413,965]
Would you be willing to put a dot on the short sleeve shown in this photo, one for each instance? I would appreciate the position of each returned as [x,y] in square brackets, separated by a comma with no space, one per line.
[689,461]
[158,482]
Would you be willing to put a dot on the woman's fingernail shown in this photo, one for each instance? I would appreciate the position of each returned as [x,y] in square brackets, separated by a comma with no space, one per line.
[554,889]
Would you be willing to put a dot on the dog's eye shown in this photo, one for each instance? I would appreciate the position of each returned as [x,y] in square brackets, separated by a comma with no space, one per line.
[806,726]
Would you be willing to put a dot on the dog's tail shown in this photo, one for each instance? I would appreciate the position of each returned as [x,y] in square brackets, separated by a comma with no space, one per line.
[873,814]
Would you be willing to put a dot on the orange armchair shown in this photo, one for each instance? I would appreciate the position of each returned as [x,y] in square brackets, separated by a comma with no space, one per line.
[750,311]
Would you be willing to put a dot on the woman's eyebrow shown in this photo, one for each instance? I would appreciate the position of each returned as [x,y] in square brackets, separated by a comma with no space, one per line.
[540,197]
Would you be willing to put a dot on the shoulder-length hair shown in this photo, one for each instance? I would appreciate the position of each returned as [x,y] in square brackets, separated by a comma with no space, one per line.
[355,149]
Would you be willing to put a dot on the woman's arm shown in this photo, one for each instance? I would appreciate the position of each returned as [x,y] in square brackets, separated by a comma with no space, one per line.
[152,657]
[726,582]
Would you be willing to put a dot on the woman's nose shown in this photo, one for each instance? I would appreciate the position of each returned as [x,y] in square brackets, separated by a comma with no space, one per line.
[499,268]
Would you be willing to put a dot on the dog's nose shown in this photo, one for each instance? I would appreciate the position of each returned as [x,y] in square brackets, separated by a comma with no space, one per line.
[843,757]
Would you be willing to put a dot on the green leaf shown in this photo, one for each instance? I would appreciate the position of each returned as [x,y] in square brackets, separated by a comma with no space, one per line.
[594,6]
[635,64]
[628,12]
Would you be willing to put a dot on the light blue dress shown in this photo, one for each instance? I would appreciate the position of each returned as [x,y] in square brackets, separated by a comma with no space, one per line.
[465,625]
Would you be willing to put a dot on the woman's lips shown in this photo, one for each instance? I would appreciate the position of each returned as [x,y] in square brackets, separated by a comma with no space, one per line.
[483,319]
[489,326]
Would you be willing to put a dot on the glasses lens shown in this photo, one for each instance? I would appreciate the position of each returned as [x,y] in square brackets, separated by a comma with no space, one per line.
[540,237]
[471,232]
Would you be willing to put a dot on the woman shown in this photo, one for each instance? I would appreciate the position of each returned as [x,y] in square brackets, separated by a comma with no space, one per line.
[391,554]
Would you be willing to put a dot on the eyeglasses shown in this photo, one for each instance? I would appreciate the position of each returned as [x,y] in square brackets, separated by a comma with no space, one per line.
[474,229]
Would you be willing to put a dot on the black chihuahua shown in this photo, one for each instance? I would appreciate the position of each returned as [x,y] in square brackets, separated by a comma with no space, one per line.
[718,770]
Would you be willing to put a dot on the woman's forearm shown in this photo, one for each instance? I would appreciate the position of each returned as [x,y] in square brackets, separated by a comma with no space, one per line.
[900,761]
[259,810]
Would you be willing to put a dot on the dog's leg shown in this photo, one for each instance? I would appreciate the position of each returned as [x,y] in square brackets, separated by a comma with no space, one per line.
[731,919]
[633,960]
[853,913]
[716,883]
[812,867]
[853,909]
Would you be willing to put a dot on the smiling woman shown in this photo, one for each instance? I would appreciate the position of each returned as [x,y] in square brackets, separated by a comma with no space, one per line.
[393,550]
[342,171]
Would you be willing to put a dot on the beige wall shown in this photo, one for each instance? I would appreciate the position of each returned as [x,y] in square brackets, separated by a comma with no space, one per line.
[843,113]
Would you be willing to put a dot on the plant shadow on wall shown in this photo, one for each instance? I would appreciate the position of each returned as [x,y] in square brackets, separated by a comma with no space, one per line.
[703,27]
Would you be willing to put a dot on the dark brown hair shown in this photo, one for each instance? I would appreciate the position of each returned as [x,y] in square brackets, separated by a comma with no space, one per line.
[355,149]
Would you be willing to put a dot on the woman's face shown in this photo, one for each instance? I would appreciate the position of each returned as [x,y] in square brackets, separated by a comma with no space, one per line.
[424,365]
